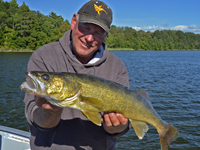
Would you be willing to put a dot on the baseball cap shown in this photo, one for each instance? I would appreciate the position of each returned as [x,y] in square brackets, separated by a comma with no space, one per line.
[96,12]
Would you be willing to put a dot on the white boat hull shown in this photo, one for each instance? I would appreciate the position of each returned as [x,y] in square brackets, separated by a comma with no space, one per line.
[13,139]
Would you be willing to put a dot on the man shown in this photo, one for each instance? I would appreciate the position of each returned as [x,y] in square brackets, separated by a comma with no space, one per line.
[80,50]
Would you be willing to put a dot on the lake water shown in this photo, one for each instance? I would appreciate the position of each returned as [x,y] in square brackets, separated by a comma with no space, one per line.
[172,80]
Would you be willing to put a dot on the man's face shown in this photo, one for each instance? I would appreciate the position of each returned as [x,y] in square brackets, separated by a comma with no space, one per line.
[86,39]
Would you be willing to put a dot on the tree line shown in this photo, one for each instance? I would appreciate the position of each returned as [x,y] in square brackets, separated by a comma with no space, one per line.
[127,37]
[22,28]
[25,29]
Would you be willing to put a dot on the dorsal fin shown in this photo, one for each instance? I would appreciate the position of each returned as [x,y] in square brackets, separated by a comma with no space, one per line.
[144,94]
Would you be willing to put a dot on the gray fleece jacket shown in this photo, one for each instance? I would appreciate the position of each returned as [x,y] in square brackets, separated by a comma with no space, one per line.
[75,131]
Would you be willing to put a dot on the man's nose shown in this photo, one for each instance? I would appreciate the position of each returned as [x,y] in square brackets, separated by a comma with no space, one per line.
[89,37]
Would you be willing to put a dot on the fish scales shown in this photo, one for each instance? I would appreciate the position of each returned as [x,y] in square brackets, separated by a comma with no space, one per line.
[109,93]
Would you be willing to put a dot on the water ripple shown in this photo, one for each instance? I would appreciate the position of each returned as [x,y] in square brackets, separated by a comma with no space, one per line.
[171,79]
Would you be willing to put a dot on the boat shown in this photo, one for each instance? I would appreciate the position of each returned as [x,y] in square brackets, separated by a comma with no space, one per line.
[13,139]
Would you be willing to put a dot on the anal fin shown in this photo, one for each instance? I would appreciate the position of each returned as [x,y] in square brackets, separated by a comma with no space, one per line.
[139,127]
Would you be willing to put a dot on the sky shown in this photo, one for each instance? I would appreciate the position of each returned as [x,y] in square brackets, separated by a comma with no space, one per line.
[147,15]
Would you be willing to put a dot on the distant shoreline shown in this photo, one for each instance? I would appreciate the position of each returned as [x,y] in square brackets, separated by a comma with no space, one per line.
[109,49]
[20,51]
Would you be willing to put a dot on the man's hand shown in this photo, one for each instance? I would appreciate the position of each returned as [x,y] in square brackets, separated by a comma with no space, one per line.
[114,119]
[114,122]
[41,102]
[45,114]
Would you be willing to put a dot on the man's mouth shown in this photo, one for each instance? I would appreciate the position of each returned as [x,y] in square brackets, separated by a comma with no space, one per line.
[88,46]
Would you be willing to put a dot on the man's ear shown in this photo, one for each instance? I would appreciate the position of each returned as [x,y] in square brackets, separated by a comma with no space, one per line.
[73,21]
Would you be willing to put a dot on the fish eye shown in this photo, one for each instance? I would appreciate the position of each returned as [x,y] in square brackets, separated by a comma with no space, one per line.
[45,77]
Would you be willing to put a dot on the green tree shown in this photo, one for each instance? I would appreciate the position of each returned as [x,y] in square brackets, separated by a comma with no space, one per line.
[64,27]
[13,7]
[25,20]
[8,35]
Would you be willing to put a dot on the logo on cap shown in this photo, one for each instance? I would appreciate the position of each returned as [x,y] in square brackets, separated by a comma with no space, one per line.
[98,9]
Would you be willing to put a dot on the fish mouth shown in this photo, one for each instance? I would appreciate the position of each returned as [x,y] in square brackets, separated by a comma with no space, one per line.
[31,85]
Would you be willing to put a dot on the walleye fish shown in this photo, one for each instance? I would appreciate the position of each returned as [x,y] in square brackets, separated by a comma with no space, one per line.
[92,95]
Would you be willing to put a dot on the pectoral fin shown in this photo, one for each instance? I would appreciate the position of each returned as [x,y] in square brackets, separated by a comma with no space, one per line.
[95,117]
[139,127]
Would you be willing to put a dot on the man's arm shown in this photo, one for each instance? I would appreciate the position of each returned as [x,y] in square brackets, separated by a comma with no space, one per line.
[45,114]
[39,112]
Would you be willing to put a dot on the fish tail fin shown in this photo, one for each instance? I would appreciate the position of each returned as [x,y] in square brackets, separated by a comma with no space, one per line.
[171,135]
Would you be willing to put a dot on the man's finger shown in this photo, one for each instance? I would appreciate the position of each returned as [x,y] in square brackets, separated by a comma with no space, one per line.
[114,120]
[123,120]
[107,120]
